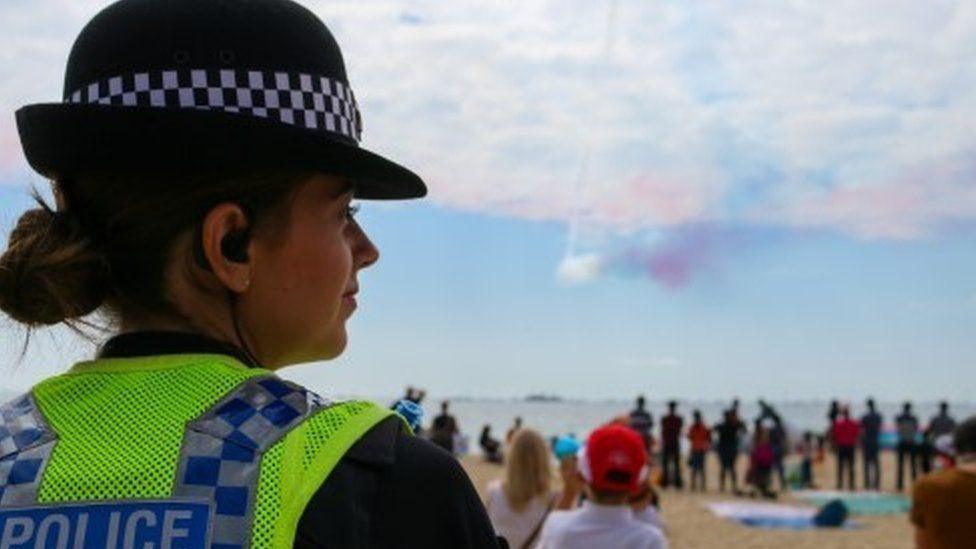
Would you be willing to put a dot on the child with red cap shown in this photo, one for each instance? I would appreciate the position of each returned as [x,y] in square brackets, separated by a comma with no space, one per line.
[613,466]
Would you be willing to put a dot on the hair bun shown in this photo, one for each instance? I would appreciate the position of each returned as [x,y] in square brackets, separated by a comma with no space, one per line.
[50,272]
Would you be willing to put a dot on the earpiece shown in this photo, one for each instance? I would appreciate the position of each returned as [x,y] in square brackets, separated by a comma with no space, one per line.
[234,246]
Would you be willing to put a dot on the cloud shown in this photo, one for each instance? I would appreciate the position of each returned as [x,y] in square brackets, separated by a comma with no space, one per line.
[852,117]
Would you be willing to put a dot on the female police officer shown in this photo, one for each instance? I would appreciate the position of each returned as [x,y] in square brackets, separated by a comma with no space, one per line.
[203,162]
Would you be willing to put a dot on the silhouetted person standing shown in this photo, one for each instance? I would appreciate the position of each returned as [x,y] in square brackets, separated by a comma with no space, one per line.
[777,439]
[870,446]
[832,414]
[846,432]
[513,430]
[642,422]
[728,448]
[700,438]
[671,426]
[443,429]
[940,426]
[907,426]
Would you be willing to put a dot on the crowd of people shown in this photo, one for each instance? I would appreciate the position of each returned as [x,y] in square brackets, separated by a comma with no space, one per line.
[768,444]
[603,493]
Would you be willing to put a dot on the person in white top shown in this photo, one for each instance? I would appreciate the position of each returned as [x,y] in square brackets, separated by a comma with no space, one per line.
[518,505]
[613,465]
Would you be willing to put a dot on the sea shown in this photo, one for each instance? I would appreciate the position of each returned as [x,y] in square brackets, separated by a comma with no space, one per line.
[579,417]
[553,416]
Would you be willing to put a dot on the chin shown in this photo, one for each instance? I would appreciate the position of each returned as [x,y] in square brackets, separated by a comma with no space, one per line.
[335,346]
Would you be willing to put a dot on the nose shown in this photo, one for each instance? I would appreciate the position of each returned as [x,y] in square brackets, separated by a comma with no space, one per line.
[364,252]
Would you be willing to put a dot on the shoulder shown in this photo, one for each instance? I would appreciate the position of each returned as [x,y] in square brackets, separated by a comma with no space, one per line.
[941,480]
[655,538]
[557,521]
[425,461]
[392,486]
[493,489]
[638,533]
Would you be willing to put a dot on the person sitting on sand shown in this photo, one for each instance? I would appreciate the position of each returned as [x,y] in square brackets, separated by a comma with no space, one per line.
[613,466]
[491,447]
[519,504]
[943,502]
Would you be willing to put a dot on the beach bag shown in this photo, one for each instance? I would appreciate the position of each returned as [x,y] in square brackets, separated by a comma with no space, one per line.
[832,515]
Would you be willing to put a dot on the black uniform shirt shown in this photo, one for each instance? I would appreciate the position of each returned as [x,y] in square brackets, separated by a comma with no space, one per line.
[390,489]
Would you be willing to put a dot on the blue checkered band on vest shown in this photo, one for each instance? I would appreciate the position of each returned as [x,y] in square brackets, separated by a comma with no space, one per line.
[221,454]
[305,100]
[26,442]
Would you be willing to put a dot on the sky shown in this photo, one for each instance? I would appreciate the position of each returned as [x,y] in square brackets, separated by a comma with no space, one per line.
[687,199]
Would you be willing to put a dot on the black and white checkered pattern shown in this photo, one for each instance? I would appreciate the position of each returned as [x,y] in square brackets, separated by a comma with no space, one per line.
[305,100]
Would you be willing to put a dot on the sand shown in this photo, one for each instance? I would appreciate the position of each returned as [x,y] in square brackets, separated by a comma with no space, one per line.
[691,526]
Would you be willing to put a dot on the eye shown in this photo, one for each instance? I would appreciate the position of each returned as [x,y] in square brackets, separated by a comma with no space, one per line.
[351,211]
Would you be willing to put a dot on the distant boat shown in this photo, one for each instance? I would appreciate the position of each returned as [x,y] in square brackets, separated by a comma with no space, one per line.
[543,398]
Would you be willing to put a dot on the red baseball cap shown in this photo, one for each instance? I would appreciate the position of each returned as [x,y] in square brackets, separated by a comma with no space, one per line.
[614,459]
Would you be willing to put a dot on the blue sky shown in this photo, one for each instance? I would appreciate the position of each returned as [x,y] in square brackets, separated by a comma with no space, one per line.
[679,198]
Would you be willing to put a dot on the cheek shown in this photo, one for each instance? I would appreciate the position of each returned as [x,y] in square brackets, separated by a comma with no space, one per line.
[312,278]
[301,293]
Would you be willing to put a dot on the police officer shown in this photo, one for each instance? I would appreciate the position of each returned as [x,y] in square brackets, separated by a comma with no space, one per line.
[203,160]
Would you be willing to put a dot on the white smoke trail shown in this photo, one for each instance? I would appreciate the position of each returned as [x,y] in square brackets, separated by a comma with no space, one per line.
[576,268]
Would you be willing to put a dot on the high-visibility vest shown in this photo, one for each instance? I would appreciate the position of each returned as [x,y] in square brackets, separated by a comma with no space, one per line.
[169,451]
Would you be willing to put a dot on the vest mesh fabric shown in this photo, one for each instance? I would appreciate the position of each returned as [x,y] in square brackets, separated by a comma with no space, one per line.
[121,422]
[120,433]
[294,468]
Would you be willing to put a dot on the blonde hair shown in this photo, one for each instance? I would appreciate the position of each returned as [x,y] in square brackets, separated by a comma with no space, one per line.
[527,470]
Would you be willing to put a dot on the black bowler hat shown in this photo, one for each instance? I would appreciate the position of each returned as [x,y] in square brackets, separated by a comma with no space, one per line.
[207,84]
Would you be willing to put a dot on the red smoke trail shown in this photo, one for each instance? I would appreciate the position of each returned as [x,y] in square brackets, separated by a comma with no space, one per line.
[673,263]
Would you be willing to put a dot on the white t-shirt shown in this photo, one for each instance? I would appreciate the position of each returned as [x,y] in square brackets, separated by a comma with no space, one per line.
[516,527]
[592,525]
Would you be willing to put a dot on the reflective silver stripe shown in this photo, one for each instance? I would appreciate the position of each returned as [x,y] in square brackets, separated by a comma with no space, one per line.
[26,442]
[220,457]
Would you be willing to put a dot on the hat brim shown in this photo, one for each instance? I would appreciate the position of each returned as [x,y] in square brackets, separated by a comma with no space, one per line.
[61,139]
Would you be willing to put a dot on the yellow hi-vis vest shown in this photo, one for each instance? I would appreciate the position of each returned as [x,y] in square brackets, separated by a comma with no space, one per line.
[165,452]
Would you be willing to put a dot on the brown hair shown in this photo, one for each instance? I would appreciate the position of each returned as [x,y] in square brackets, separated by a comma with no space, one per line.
[527,472]
[110,241]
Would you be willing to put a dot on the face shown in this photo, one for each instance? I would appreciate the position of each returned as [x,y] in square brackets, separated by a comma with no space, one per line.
[303,282]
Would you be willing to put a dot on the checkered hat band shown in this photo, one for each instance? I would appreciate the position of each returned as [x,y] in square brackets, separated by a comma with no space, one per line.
[304,100]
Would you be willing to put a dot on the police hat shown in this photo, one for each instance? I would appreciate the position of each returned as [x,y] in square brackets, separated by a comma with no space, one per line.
[204,84]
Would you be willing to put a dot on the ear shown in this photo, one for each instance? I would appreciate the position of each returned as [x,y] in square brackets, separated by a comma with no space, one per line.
[224,223]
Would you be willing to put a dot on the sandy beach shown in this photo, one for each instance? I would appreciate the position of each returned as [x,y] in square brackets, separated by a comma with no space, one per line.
[691,526]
